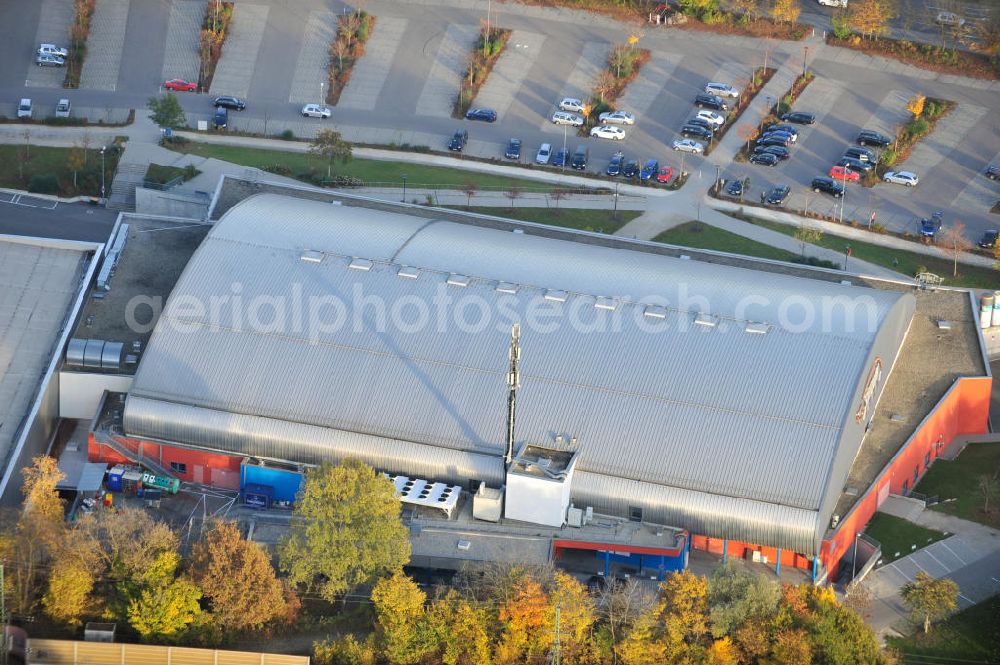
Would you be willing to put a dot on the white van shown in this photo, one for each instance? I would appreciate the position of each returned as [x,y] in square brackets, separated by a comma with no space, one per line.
[833,3]
[24,109]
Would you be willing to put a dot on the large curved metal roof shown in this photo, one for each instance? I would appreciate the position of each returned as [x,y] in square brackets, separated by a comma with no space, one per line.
[715,427]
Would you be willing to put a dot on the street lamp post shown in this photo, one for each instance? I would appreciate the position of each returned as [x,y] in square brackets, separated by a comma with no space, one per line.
[322,99]
[103,148]
[565,155]
[805,54]
[847,253]
[718,174]
[404,188]
[843,195]
[615,214]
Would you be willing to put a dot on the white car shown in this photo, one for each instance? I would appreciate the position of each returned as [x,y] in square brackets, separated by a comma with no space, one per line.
[316,111]
[949,20]
[687,145]
[563,118]
[712,117]
[24,108]
[721,89]
[833,3]
[907,178]
[544,153]
[570,104]
[63,108]
[617,118]
[608,132]
[52,49]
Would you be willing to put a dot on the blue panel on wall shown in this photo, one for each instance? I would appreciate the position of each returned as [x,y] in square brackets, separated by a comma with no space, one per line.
[285,483]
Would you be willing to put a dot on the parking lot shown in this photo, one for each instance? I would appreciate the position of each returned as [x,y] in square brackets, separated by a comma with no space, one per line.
[402,91]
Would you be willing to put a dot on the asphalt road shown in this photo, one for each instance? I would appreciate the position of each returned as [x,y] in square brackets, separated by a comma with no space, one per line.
[67,221]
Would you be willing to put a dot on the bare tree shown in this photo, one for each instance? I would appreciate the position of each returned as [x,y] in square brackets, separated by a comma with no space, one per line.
[807,235]
[469,188]
[988,489]
[513,193]
[558,194]
[859,598]
[748,133]
[620,604]
[954,243]
[604,84]
[338,50]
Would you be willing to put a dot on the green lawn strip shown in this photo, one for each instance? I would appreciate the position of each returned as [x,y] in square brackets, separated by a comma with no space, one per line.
[372,172]
[971,636]
[160,174]
[584,219]
[898,536]
[956,483]
[44,161]
[909,262]
[703,236]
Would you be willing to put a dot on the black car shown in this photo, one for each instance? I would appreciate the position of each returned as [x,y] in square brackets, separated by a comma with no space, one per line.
[776,196]
[800,118]
[788,129]
[989,239]
[710,102]
[856,165]
[992,172]
[734,188]
[697,131]
[863,154]
[615,166]
[826,184]
[561,158]
[701,122]
[513,150]
[869,137]
[773,139]
[764,159]
[778,151]
[580,158]
[789,138]
[488,115]
[459,140]
[631,168]
[234,103]
[221,118]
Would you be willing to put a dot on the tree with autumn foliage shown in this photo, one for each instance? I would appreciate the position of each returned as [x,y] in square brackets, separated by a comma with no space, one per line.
[460,628]
[870,18]
[402,629]
[73,578]
[954,243]
[236,576]
[525,622]
[785,11]
[928,599]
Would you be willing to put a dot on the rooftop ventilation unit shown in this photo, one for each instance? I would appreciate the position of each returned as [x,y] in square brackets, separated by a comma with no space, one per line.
[364,265]
[419,492]
[408,272]
[846,282]
[706,320]
[507,287]
[685,257]
[605,303]
[556,296]
[311,256]
[655,312]
[458,280]
[94,353]
[755,328]
[943,325]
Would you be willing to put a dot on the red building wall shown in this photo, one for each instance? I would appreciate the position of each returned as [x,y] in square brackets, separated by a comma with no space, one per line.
[190,465]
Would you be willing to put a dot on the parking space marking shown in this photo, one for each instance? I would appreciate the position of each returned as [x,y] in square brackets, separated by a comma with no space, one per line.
[581,80]
[734,73]
[104,45]
[30,201]
[890,113]
[371,71]
[53,28]
[180,57]
[314,56]
[239,54]
[441,88]
[818,98]
[510,71]
[947,134]
[653,78]
[980,194]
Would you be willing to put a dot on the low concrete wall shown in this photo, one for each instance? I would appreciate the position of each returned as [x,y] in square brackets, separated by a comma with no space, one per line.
[992,338]
[172,203]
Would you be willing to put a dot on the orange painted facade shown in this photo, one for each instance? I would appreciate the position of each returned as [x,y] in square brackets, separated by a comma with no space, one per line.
[740,550]
[190,465]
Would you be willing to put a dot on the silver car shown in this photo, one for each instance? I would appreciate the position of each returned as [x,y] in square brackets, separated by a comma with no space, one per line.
[63,108]
[564,118]
[544,153]
[907,178]
[52,49]
[45,60]
[617,118]
[570,104]
[316,111]
[721,89]
[687,145]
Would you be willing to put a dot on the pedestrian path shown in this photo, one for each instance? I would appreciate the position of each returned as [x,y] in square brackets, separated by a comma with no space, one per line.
[239,54]
[180,57]
[370,72]
[443,82]
[656,74]
[104,45]
[314,57]
[511,69]
[53,28]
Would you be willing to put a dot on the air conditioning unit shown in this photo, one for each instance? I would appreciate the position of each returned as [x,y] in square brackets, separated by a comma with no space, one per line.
[574,517]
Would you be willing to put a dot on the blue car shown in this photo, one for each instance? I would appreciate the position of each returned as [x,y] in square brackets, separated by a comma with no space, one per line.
[649,170]
[561,158]
[930,227]
[615,167]
[489,115]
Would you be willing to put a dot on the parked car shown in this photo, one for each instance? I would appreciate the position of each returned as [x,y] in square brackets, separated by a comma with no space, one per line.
[734,188]
[617,118]
[764,159]
[665,174]
[711,102]
[701,122]
[861,154]
[561,158]
[777,138]
[316,111]
[458,140]
[929,226]
[612,132]
[788,129]
[221,118]
[833,3]
[842,173]
[788,137]
[615,165]
[776,196]
[799,118]
[649,169]
[949,20]
[855,164]
[544,154]
[631,168]
[712,117]
[564,118]
[992,172]
[687,145]
[52,49]
[24,108]
[778,151]
[989,239]
[697,131]
[570,104]
[907,178]
[234,103]
[827,185]
[181,85]
[63,108]
[45,60]
[580,157]
[721,89]
[869,137]
[486,115]
[513,150]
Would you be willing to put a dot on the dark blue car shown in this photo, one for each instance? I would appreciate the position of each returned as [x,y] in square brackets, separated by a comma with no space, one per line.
[489,115]
[649,169]
[560,158]
[631,169]
[615,167]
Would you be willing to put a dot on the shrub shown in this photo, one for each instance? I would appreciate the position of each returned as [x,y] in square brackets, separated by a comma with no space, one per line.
[190,172]
[879,228]
[813,261]
[888,157]
[43,184]
[287,135]
[278,169]
[841,27]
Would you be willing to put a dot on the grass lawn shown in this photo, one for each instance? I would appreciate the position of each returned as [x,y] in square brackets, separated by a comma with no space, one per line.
[18,165]
[971,636]
[968,276]
[898,536]
[702,236]
[159,174]
[573,218]
[372,172]
[959,480]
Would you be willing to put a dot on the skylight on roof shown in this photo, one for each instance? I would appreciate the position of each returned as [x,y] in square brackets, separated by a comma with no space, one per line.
[556,295]
[655,312]
[706,320]
[311,256]
[408,272]
[507,287]
[757,328]
[364,265]
[458,280]
[605,303]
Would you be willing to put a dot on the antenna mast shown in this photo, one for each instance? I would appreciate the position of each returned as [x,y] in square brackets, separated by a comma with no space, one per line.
[513,382]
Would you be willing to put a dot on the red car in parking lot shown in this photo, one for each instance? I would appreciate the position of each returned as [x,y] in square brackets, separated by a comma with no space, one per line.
[843,173]
[665,174]
[180,84]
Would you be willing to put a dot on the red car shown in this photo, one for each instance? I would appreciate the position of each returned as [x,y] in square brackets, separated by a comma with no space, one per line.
[665,174]
[180,84]
[843,173]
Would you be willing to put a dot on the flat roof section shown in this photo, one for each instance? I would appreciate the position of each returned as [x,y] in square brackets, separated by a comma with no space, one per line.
[39,282]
